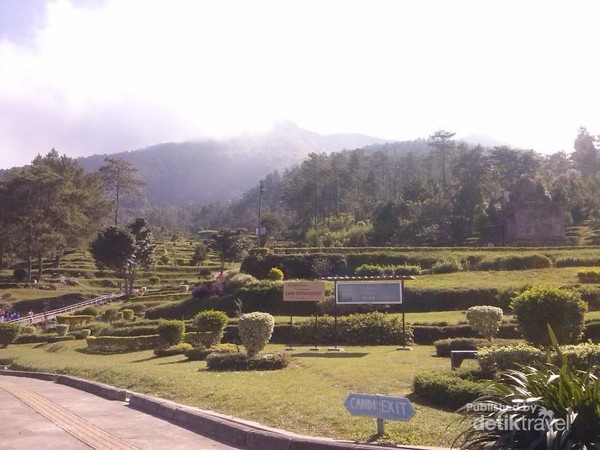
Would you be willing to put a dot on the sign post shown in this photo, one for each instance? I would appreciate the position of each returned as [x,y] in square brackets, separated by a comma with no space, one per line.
[302,291]
[381,407]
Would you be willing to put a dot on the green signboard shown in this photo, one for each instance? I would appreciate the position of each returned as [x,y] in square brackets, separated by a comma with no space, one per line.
[351,293]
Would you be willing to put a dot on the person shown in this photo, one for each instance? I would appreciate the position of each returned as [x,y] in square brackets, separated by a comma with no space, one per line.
[30,315]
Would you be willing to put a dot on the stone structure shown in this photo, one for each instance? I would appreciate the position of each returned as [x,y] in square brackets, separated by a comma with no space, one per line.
[532,218]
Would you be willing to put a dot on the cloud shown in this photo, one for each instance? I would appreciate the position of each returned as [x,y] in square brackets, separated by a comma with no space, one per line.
[112,75]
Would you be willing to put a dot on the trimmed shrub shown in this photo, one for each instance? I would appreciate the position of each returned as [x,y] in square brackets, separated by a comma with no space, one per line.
[110,315]
[446,389]
[82,334]
[142,330]
[447,266]
[171,331]
[8,333]
[241,361]
[376,270]
[443,347]
[515,262]
[62,329]
[211,325]
[591,295]
[201,353]
[428,334]
[34,338]
[269,361]
[204,272]
[208,289]
[128,314]
[592,331]
[73,320]
[376,328]
[234,281]
[27,329]
[255,331]
[589,276]
[367,270]
[88,311]
[373,328]
[485,320]
[563,310]
[54,339]
[172,350]
[275,274]
[154,279]
[581,356]
[574,261]
[496,359]
[138,310]
[20,274]
[118,344]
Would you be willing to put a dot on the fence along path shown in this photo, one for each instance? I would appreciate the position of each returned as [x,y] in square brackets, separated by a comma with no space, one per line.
[49,315]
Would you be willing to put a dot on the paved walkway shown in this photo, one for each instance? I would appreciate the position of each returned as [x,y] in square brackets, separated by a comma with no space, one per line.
[42,414]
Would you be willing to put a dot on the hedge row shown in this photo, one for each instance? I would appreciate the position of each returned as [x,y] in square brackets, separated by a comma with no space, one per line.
[495,359]
[74,320]
[119,344]
[428,334]
[447,390]
[445,346]
[299,264]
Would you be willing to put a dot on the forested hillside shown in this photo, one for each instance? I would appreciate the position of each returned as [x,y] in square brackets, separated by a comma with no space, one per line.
[180,174]
[413,193]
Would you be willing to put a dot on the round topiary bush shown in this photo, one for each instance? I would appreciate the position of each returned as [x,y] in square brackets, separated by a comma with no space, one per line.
[8,333]
[485,320]
[211,324]
[155,279]
[172,350]
[563,310]
[275,274]
[171,332]
[110,315]
[89,311]
[255,331]
[128,314]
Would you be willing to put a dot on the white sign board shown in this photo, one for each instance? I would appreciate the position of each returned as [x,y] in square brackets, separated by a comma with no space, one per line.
[356,293]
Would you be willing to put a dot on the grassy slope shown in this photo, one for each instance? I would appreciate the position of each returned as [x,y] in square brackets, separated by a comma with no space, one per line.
[306,398]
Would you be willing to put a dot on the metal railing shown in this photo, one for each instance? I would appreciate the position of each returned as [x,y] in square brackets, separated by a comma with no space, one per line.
[49,315]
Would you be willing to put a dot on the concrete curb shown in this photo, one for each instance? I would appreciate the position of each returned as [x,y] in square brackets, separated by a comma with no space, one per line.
[23,373]
[99,389]
[226,429]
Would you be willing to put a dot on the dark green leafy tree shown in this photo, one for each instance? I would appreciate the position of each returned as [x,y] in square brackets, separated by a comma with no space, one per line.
[585,155]
[472,177]
[125,250]
[51,204]
[231,244]
[200,254]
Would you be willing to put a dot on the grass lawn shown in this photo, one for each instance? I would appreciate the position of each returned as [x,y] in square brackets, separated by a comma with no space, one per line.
[307,397]
[563,276]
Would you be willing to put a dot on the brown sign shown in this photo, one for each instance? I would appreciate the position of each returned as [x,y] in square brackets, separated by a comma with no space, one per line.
[303,291]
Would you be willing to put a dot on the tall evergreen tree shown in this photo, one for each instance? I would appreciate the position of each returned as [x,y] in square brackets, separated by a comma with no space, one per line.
[120,181]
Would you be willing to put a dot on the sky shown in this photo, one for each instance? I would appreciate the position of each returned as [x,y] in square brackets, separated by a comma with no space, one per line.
[104,76]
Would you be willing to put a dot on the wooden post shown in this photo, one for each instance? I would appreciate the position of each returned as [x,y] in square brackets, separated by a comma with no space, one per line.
[290,346]
[379,427]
